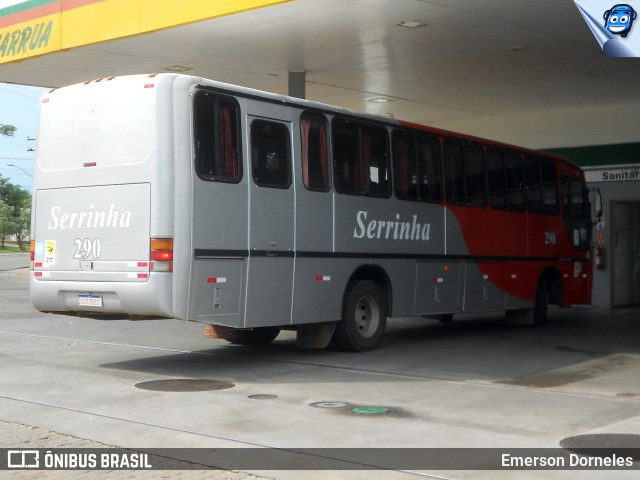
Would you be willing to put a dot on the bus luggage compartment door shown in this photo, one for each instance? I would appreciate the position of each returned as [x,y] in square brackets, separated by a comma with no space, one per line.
[481,286]
[217,291]
[437,287]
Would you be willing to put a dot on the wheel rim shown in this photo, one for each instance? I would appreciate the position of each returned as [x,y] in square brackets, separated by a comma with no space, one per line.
[367,316]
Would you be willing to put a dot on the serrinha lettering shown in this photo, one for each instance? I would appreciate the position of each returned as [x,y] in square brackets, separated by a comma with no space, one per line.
[391,229]
[92,218]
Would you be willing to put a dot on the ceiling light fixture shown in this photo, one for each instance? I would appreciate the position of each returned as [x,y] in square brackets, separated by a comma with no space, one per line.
[380,100]
[178,68]
[412,24]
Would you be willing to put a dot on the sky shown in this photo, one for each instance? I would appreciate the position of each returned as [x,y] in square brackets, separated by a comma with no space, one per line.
[19,107]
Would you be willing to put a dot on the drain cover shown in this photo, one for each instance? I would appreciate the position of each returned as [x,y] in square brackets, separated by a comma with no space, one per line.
[370,410]
[263,396]
[329,404]
[603,444]
[184,385]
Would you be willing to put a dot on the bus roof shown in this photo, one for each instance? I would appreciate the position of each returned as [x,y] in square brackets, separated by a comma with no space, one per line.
[318,106]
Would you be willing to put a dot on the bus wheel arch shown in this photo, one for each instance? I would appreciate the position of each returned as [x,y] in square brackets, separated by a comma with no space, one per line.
[365,308]
[377,275]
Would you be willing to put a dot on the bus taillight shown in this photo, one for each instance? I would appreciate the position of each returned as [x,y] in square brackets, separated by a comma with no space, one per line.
[32,253]
[161,254]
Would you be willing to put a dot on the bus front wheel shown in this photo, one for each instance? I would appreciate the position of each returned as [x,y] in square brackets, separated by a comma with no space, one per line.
[364,317]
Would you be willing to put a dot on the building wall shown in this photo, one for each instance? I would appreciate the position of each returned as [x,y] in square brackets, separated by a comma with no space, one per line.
[614,286]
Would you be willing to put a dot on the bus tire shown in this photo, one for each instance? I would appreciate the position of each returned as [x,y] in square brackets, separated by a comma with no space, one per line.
[255,336]
[364,317]
[541,305]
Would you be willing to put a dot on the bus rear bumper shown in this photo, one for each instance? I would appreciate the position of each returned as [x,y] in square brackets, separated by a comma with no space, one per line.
[151,298]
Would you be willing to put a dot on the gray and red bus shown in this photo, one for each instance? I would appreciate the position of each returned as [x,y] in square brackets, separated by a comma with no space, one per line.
[175,196]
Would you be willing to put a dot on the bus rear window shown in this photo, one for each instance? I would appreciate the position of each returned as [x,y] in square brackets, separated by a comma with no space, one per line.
[87,125]
[217,150]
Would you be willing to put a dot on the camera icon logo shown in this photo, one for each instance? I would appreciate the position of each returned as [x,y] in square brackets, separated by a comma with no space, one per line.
[23,459]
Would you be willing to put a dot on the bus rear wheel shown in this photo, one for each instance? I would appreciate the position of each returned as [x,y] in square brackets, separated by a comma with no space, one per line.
[364,317]
[255,336]
[541,306]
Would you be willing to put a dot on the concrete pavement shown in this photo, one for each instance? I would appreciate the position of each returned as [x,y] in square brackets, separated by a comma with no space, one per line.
[474,383]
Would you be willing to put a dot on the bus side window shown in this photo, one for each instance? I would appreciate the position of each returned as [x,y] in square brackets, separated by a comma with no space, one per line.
[580,214]
[417,167]
[515,183]
[497,181]
[454,174]
[429,170]
[361,158]
[216,138]
[534,192]
[270,159]
[375,161]
[405,168]
[346,156]
[465,175]
[542,186]
[549,177]
[315,158]
[575,211]
[475,184]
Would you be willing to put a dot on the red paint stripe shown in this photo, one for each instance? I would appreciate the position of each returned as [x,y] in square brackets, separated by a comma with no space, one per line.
[442,134]
[43,11]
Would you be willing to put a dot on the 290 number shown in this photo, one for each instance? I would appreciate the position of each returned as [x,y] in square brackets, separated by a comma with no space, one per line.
[86,248]
[550,238]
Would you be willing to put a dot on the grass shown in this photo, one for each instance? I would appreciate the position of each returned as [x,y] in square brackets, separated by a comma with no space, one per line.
[9,248]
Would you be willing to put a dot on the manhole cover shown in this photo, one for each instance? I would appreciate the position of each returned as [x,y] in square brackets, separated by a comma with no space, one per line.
[263,396]
[329,404]
[184,385]
[370,410]
[604,444]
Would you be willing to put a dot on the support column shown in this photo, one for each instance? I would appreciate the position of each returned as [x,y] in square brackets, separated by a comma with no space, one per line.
[297,87]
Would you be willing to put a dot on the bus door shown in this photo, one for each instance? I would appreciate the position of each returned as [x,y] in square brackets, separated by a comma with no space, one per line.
[271,218]
[576,216]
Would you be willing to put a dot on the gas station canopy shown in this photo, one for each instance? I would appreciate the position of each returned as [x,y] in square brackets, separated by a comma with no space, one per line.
[524,71]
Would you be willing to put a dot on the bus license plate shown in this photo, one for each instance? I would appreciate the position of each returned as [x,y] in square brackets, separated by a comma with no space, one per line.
[90,300]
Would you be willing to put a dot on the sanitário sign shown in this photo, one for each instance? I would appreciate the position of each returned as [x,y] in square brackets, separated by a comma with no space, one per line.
[613,174]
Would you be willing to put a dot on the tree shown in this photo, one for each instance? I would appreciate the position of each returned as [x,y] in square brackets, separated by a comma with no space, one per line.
[15,212]
[7,130]
[7,226]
